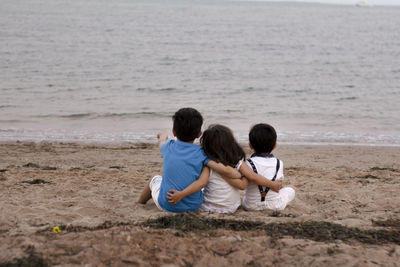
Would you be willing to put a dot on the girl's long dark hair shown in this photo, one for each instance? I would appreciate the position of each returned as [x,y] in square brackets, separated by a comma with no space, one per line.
[220,145]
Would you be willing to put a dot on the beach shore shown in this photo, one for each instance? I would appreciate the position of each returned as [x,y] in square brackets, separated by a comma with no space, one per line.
[90,190]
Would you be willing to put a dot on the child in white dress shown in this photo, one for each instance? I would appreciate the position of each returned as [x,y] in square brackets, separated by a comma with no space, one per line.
[220,145]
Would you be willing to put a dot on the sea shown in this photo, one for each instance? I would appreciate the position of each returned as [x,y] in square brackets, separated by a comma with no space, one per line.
[116,71]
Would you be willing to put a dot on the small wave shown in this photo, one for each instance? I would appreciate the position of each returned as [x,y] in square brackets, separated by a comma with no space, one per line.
[133,115]
[104,80]
[7,130]
[254,89]
[168,61]
[114,115]
[11,89]
[11,121]
[7,106]
[157,90]
[65,90]
[347,98]
[171,59]
[231,110]
[68,116]
[108,115]
[77,115]
[299,91]
[168,89]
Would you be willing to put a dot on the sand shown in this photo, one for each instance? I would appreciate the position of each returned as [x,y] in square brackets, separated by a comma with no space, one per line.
[90,192]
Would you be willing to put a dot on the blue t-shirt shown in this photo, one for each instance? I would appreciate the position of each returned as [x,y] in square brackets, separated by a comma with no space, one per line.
[183,163]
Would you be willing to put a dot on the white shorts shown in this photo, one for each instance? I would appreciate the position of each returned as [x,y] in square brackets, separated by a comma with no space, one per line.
[155,185]
[285,196]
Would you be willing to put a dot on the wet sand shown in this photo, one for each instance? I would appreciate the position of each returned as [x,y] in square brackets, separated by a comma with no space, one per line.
[90,192]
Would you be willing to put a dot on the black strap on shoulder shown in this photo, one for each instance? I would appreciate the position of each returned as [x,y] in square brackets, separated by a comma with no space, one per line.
[252,165]
[277,169]
[263,192]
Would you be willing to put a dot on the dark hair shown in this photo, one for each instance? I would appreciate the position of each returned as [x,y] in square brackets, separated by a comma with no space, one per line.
[187,124]
[262,138]
[220,145]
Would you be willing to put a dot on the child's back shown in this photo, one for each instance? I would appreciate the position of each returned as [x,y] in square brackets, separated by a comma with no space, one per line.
[262,139]
[220,145]
[220,196]
[266,166]
[183,163]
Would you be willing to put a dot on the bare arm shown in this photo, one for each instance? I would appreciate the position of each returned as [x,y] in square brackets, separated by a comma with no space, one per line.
[259,179]
[241,183]
[223,170]
[162,138]
[174,196]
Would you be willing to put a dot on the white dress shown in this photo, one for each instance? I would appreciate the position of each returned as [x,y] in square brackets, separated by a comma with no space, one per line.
[219,196]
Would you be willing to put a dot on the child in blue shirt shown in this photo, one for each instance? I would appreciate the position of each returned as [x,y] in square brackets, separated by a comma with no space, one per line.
[185,171]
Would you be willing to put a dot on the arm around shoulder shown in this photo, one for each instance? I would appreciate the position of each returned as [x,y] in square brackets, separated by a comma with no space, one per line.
[259,179]
[174,196]
[241,183]
[226,171]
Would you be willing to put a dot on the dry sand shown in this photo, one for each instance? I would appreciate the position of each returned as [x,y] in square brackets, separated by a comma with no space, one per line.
[92,191]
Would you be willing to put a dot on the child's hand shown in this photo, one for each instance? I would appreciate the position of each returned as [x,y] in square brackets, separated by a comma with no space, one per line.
[174,197]
[277,185]
[162,137]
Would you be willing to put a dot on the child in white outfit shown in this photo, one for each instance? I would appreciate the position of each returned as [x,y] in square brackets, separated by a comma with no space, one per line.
[220,196]
[262,139]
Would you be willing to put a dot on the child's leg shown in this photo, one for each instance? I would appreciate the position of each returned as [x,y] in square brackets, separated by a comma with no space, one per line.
[287,194]
[145,195]
[151,190]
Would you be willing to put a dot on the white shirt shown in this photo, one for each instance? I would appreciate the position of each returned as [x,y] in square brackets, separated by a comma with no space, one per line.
[219,196]
[267,168]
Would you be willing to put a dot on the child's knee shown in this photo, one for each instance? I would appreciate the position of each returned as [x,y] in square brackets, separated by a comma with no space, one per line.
[288,192]
[291,191]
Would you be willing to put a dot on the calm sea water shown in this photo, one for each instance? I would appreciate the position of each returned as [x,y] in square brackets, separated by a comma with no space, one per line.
[98,70]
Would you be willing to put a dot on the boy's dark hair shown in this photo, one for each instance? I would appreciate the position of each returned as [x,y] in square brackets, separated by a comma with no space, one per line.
[187,124]
[220,145]
[262,138]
